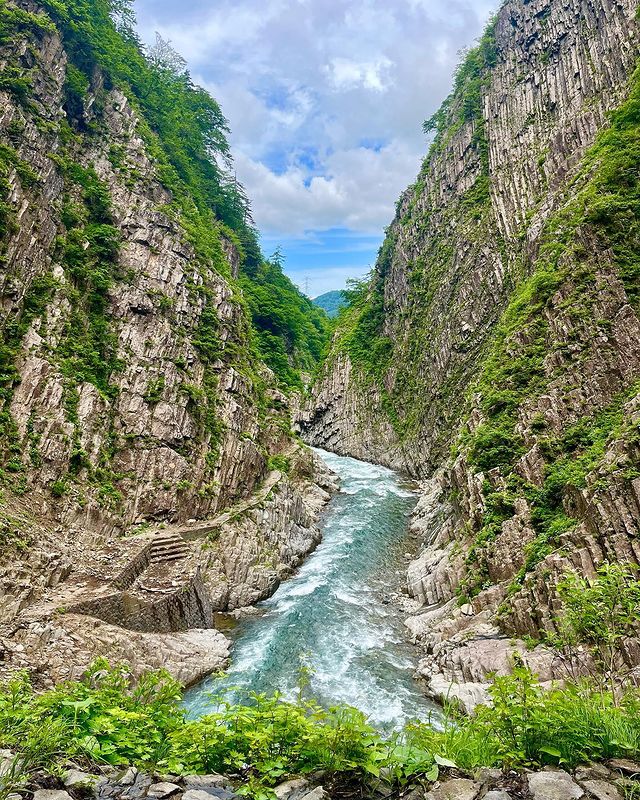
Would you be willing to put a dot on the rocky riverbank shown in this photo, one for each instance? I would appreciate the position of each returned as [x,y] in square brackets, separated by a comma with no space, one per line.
[494,354]
[615,780]
[460,644]
[149,599]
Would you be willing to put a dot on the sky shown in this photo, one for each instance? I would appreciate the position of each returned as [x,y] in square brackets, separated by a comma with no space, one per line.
[325,100]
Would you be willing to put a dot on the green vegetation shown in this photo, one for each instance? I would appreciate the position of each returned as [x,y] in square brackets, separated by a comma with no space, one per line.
[16,22]
[155,390]
[89,251]
[15,535]
[109,718]
[605,198]
[186,134]
[464,104]
[188,128]
[577,452]
[281,463]
[292,334]
[598,616]
[363,334]
[599,218]
[331,302]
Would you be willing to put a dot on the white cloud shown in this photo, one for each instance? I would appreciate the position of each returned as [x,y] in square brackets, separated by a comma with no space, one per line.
[357,191]
[325,98]
[347,74]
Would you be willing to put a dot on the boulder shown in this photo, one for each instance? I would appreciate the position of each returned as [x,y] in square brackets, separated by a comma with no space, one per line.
[128,777]
[554,785]
[76,779]
[625,766]
[219,792]
[315,794]
[205,781]
[602,790]
[591,772]
[7,762]
[163,789]
[285,790]
[456,789]
[51,794]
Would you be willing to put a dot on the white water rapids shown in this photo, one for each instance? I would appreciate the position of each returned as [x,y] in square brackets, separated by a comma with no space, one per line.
[334,615]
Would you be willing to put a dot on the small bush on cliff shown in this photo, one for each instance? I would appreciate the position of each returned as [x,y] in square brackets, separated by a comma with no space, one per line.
[599,615]
[281,463]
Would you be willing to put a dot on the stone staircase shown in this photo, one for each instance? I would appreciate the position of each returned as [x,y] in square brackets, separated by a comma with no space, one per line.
[156,584]
[168,546]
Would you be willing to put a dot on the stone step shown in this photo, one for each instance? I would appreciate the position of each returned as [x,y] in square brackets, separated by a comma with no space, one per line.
[166,557]
[167,538]
[168,543]
[170,549]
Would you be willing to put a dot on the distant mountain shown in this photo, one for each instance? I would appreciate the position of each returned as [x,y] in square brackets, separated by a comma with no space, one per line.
[331,302]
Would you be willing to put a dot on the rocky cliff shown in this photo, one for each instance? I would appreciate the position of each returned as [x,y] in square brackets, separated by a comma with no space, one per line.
[134,396]
[495,352]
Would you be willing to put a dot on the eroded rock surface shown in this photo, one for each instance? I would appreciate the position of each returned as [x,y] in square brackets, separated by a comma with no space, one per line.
[138,422]
[487,210]
[152,605]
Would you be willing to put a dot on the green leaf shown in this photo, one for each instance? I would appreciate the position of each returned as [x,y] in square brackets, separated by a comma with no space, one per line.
[445,762]
[432,773]
[551,751]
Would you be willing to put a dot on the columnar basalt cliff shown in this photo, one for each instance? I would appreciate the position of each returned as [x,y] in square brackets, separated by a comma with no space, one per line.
[135,400]
[495,352]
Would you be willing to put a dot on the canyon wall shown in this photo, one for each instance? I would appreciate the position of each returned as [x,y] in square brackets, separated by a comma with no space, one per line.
[134,400]
[495,353]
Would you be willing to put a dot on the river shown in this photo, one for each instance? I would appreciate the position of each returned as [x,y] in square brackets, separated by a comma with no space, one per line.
[334,616]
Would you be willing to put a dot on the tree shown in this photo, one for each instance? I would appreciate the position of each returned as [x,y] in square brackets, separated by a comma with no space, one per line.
[124,19]
[162,56]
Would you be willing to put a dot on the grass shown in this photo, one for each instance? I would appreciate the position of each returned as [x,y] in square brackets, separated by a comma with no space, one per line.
[279,462]
[108,718]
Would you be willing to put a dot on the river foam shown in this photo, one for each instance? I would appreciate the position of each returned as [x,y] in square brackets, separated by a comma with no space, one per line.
[332,616]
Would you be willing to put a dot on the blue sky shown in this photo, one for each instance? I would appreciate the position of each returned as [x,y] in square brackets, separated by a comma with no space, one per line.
[325,100]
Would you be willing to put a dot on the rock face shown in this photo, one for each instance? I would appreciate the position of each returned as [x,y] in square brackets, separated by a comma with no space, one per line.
[133,403]
[144,431]
[150,600]
[502,326]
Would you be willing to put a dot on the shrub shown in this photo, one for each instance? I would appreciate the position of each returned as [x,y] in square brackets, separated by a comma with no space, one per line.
[281,463]
[599,615]
[110,718]
[59,488]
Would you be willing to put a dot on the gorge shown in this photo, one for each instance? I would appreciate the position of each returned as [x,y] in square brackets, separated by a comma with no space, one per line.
[334,624]
[169,400]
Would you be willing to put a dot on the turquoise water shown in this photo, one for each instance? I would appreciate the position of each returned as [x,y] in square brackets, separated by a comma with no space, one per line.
[332,615]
